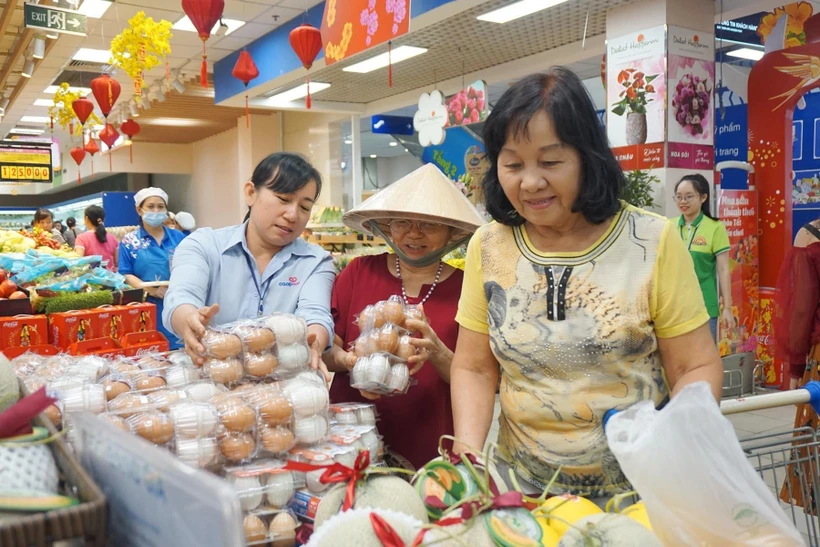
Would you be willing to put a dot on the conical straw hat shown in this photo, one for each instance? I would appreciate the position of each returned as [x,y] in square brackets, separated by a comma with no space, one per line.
[424,194]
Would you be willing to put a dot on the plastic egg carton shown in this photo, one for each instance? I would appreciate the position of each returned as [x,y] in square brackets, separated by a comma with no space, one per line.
[275,530]
[381,373]
[238,430]
[263,487]
[387,312]
[359,437]
[353,414]
[309,397]
[195,433]
[204,390]
[322,455]
[275,419]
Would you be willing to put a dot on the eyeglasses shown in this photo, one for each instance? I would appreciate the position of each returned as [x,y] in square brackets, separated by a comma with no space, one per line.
[404,226]
[687,199]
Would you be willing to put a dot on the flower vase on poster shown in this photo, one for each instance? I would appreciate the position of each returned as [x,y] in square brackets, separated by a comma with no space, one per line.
[468,105]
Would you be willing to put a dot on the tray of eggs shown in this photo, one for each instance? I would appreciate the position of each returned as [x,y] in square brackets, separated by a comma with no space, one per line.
[360,437]
[353,414]
[270,347]
[322,455]
[263,487]
[275,530]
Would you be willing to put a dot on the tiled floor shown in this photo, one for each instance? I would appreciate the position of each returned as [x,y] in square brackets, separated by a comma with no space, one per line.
[765,424]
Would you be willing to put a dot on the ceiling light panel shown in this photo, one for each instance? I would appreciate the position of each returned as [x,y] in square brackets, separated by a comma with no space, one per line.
[297,93]
[92,55]
[518,10]
[94,9]
[186,25]
[52,89]
[746,53]
[381,61]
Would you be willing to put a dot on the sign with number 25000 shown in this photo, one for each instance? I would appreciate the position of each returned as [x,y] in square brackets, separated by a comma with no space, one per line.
[25,163]
[22,173]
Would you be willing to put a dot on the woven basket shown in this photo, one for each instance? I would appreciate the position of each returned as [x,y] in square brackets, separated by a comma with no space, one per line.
[86,521]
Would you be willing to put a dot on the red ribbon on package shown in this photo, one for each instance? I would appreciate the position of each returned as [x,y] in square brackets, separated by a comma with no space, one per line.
[338,473]
[386,534]
[16,420]
[456,459]
[303,533]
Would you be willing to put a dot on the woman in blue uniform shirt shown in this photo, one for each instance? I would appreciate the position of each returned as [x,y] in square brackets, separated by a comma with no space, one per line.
[146,254]
[259,267]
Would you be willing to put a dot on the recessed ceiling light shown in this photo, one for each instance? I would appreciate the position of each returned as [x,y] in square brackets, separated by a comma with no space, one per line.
[747,53]
[44,102]
[382,60]
[296,93]
[35,119]
[24,131]
[92,55]
[94,9]
[348,141]
[52,89]
[186,24]
[393,143]
[518,10]
[374,156]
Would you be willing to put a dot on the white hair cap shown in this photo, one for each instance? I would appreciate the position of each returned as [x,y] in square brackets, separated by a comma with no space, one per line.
[186,221]
[146,193]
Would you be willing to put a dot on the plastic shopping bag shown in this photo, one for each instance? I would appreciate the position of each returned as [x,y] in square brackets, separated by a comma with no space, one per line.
[699,488]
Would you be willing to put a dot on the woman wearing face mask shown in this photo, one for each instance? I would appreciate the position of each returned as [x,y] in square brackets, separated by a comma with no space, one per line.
[259,267]
[146,254]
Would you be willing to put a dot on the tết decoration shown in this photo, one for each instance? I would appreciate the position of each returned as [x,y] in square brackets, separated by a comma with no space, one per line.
[306,41]
[109,136]
[82,109]
[204,14]
[92,148]
[78,153]
[139,47]
[63,113]
[106,91]
[130,128]
[431,118]
[245,70]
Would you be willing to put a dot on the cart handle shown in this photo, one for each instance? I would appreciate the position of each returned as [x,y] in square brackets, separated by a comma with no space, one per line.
[809,393]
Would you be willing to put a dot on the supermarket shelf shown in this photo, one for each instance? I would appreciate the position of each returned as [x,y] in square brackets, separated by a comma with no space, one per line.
[326,226]
[339,242]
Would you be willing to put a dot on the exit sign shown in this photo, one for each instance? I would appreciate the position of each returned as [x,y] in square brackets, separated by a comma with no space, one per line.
[55,19]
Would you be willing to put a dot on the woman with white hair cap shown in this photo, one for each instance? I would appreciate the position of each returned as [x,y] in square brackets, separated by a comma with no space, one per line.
[145,255]
[185,222]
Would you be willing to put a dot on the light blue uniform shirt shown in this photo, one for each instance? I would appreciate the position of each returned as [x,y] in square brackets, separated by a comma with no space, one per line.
[214,267]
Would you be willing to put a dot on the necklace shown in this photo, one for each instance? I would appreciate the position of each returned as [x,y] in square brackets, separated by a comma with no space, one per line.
[404,294]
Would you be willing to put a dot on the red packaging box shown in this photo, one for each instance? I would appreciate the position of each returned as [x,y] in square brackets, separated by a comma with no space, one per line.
[110,322]
[104,347]
[140,343]
[139,317]
[23,331]
[12,353]
[69,327]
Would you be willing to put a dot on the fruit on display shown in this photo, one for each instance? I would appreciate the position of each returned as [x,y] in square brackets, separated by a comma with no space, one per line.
[609,529]
[328,215]
[16,242]
[7,288]
[637,512]
[17,295]
[375,492]
[566,510]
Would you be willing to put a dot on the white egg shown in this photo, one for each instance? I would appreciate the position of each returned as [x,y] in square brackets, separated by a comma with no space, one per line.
[307,399]
[310,430]
[196,452]
[91,367]
[180,358]
[367,415]
[293,358]
[371,442]
[203,391]
[379,370]
[288,329]
[314,483]
[279,488]
[311,377]
[181,375]
[358,376]
[90,397]
[66,383]
[249,490]
[194,419]
[399,378]
[346,417]
[347,457]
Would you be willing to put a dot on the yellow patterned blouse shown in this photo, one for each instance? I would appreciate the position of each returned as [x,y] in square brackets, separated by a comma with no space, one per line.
[575,335]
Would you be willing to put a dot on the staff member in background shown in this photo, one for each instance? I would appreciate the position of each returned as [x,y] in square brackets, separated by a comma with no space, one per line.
[708,243]
[145,255]
[259,267]
[185,222]
[170,221]
[44,220]
[70,234]
[96,240]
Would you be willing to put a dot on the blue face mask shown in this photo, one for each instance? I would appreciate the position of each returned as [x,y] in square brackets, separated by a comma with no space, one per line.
[155,219]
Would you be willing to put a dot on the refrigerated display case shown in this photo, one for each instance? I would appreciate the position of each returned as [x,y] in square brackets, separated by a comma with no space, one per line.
[119,210]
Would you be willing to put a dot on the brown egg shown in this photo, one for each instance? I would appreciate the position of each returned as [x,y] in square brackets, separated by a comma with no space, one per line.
[220,345]
[255,529]
[260,365]
[388,340]
[149,382]
[360,347]
[413,313]
[405,350]
[117,421]
[164,398]
[224,372]
[378,316]
[128,404]
[283,529]
[153,426]
[393,312]
[276,439]
[113,388]
[126,368]
[274,409]
[152,363]
[365,319]
[237,448]
[54,414]
[256,339]
[236,416]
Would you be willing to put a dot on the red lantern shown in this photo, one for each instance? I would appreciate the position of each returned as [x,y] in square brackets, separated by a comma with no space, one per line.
[245,70]
[306,41]
[204,14]
[78,154]
[82,109]
[130,128]
[106,90]
[109,136]
[92,148]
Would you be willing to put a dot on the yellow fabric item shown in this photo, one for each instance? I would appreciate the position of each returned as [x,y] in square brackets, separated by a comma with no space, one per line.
[472,306]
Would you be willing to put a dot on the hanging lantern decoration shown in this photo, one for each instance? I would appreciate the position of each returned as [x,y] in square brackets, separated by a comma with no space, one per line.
[78,153]
[204,14]
[109,136]
[62,111]
[306,41]
[245,70]
[82,109]
[130,128]
[92,148]
[106,90]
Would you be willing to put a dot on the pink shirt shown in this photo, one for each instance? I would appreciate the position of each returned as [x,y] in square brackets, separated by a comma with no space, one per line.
[107,250]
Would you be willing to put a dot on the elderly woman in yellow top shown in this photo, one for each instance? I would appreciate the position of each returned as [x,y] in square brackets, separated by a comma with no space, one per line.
[579,301]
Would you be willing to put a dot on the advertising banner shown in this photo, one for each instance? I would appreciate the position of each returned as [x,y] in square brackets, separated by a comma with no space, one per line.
[352,26]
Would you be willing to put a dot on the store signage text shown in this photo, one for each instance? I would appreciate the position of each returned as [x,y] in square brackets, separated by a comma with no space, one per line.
[55,19]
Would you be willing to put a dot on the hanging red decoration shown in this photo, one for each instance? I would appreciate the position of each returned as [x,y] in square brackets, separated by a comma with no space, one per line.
[390,64]
[92,148]
[204,14]
[82,109]
[109,136]
[78,154]
[245,70]
[106,90]
[130,128]
[306,41]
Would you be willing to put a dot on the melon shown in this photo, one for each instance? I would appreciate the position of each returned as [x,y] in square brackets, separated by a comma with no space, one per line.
[376,492]
[567,510]
[638,513]
[474,534]
[608,530]
[9,387]
[550,537]
[354,529]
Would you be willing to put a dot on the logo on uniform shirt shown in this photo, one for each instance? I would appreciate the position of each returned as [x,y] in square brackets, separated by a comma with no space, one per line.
[700,241]
[291,282]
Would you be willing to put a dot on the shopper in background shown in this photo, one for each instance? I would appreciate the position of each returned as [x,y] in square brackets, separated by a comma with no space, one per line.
[578,301]
[708,243]
[259,267]
[96,240]
[70,235]
[797,323]
[422,215]
[185,222]
[58,225]
[170,221]
[44,220]
[146,254]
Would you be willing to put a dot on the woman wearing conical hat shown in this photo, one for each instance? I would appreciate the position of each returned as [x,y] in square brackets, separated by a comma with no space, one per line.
[423,217]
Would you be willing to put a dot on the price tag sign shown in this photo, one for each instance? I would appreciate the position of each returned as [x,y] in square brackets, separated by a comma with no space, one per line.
[25,163]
